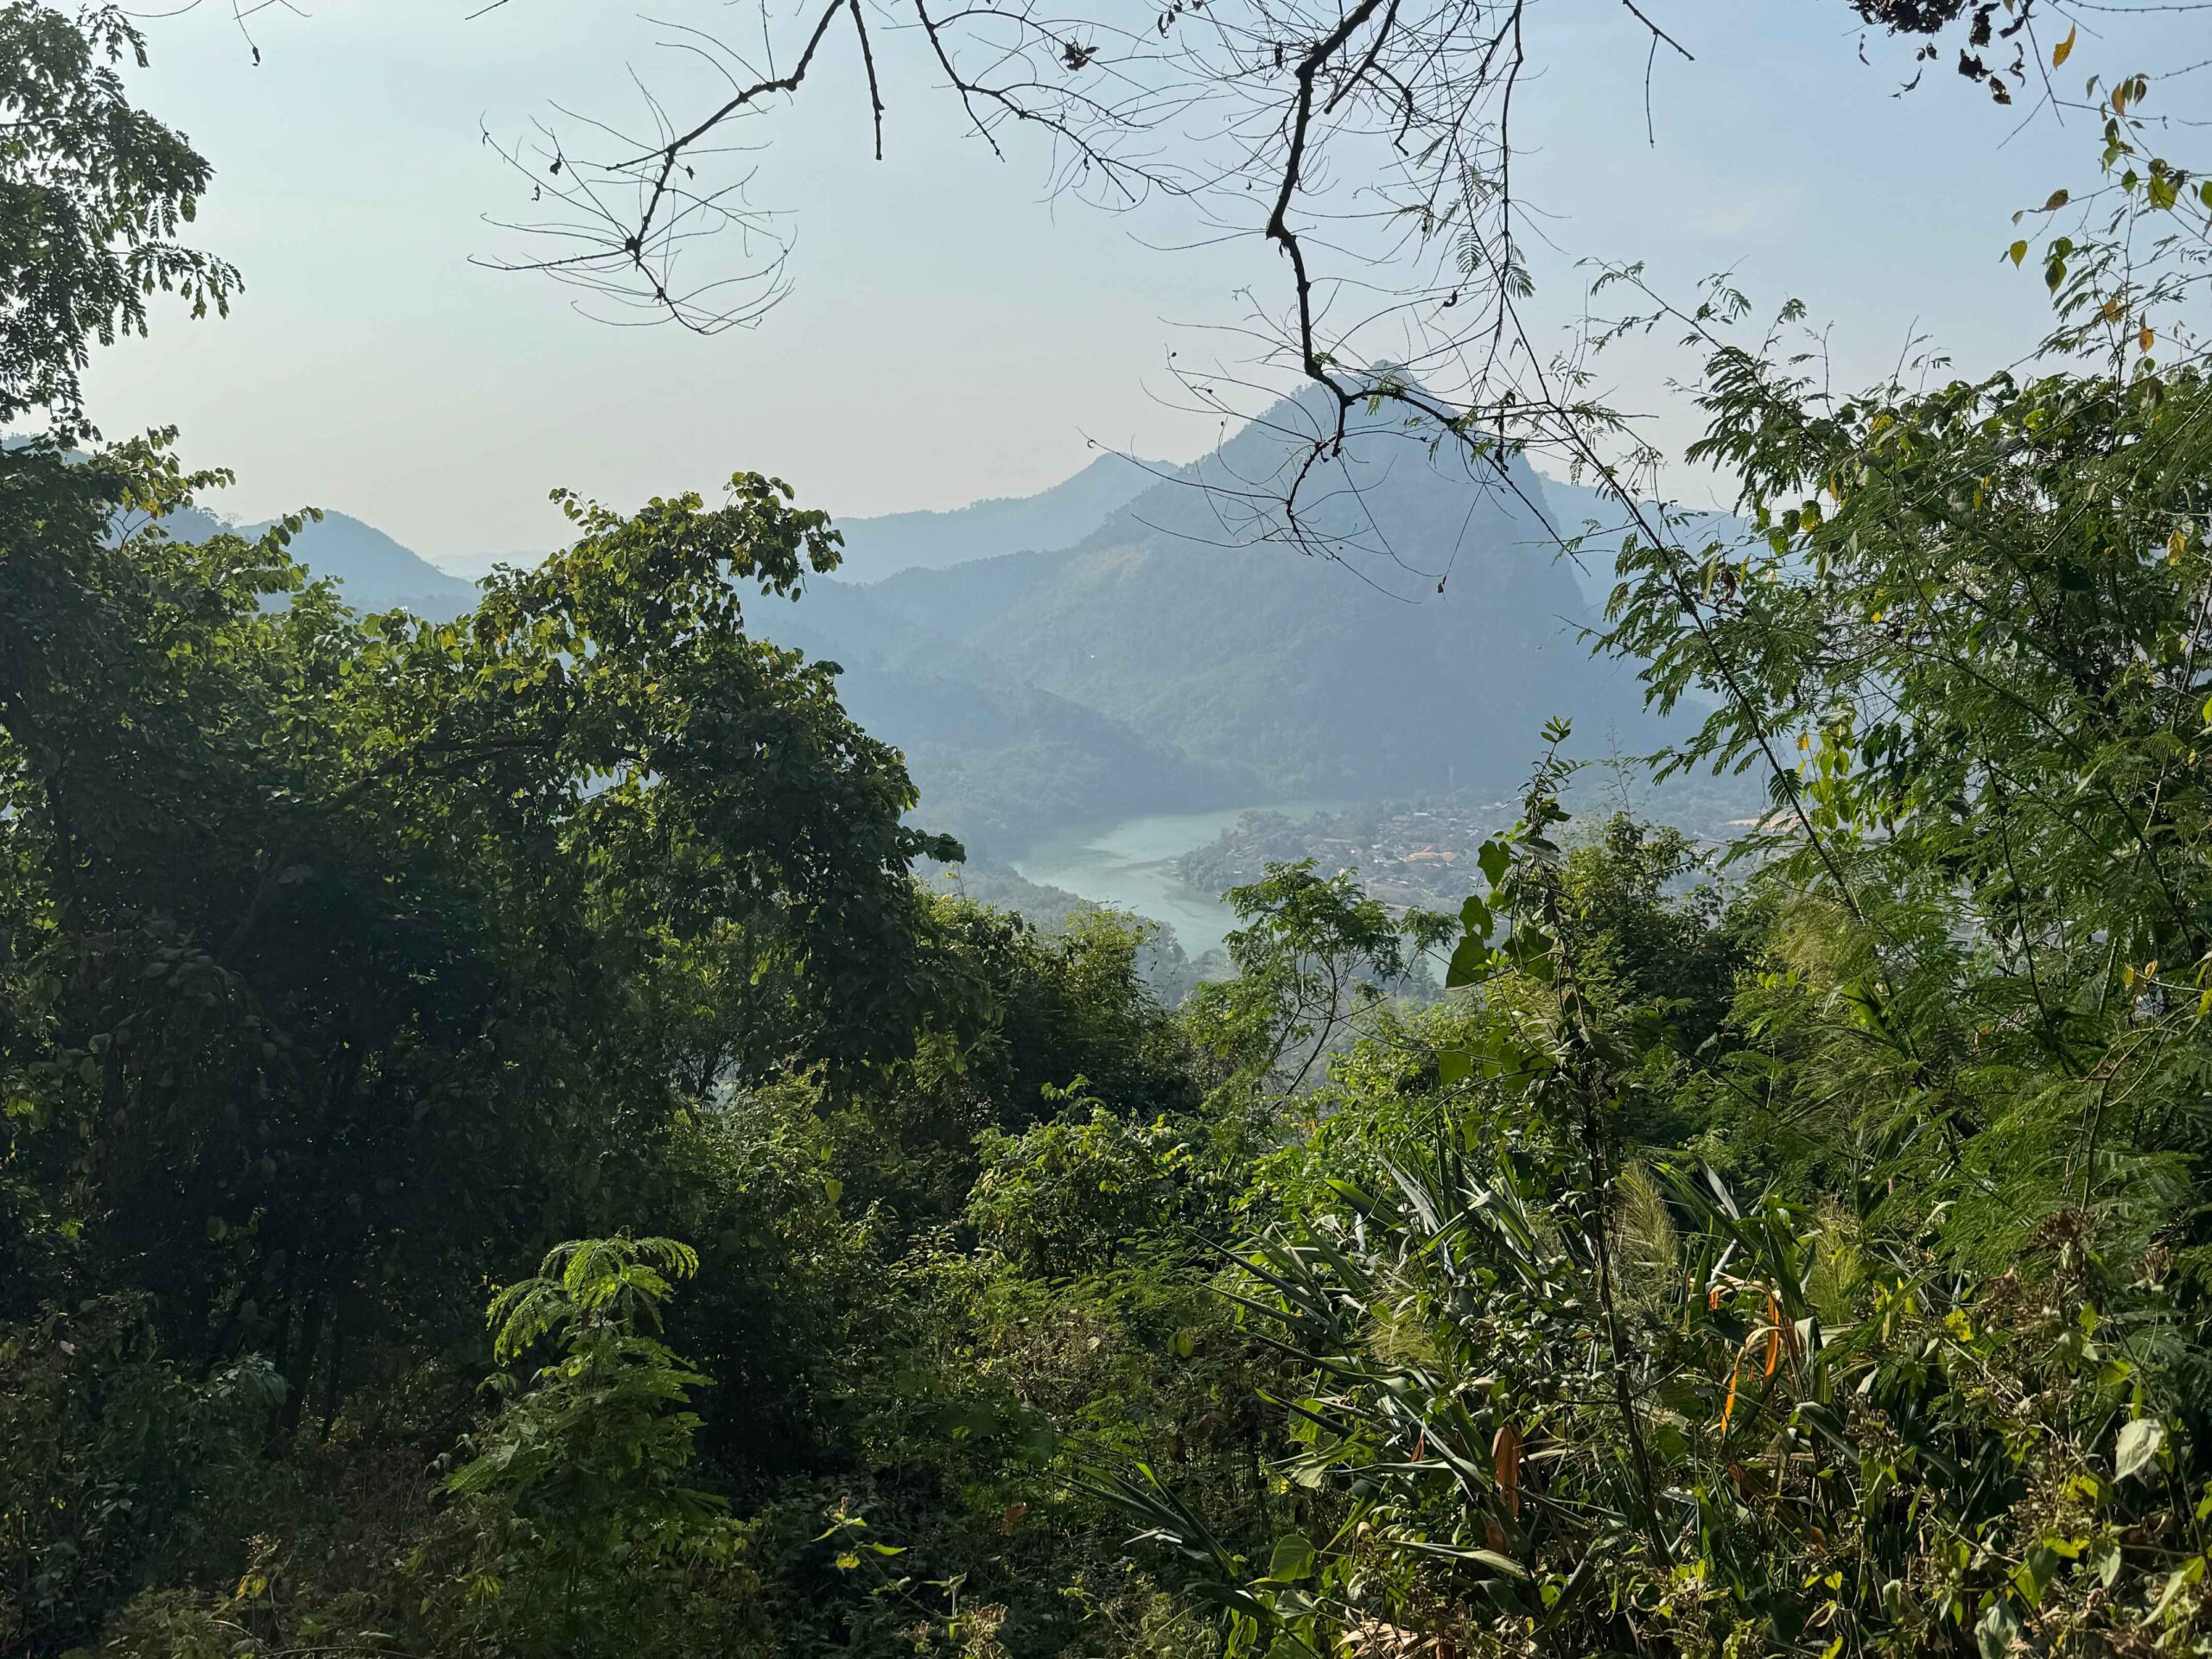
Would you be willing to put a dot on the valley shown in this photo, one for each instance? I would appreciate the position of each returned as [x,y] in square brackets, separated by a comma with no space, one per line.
[1139,864]
[1139,686]
[1325,1052]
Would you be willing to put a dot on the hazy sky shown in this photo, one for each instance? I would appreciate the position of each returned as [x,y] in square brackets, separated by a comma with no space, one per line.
[953,333]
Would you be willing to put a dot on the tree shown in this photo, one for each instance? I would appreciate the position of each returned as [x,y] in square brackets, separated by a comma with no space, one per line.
[93,194]
[1369,148]
[1981,610]
[581,1477]
[1552,1396]
[351,926]
[1315,956]
[1035,1013]
[1068,1196]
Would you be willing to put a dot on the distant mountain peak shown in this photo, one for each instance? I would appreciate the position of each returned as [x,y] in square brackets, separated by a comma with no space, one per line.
[1043,523]
[374,572]
[1124,643]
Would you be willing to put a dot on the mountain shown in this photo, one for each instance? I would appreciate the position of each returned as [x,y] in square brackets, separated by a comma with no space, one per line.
[1583,512]
[374,572]
[1057,518]
[474,566]
[1139,640]
[1000,761]
[1415,636]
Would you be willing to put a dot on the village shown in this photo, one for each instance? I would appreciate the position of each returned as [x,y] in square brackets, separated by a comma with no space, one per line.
[1418,855]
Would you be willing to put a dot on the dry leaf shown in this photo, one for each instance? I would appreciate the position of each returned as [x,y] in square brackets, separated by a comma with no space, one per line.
[1505,1458]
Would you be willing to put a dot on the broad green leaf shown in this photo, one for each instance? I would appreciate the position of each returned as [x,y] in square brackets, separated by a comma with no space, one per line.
[1475,916]
[1292,1559]
[1993,1635]
[1495,859]
[1471,960]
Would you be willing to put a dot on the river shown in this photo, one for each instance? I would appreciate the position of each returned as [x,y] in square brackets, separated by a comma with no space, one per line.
[1130,864]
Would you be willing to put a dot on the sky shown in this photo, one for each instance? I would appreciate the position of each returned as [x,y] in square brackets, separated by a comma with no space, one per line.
[954,331]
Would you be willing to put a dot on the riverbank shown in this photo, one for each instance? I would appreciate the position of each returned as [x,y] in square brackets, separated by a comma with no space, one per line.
[1130,864]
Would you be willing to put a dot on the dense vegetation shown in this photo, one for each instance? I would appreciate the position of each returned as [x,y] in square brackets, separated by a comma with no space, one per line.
[1130,668]
[502,1154]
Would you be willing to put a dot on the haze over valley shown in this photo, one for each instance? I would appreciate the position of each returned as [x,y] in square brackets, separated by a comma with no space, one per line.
[1091,682]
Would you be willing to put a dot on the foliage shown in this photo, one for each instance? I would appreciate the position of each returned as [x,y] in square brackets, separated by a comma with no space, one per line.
[581,1476]
[381,922]
[1043,1011]
[1851,1446]
[1065,1195]
[92,193]
[105,1445]
[1550,1404]
[1814,1264]
[1315,956]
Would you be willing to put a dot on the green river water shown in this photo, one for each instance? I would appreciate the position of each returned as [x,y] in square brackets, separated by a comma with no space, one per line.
[1131,863]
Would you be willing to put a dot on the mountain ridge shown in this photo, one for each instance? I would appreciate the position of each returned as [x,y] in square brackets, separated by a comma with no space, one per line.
[1408,629]
[885,544]
[374,571]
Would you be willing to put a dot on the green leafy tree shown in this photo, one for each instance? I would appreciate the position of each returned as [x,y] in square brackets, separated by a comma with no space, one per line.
[350,926]
[94,192]
[1315,956]
[1069,1196]
[582,1477]
[1550,1402]
[1032,1013]
[105,1441]
[1980,612]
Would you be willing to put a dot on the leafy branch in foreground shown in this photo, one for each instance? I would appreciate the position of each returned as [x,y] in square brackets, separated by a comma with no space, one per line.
[93,194]
[581,1476]
[1548,1392]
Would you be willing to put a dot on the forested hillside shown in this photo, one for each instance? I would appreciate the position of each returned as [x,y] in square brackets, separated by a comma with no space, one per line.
[507,1149]
[1322,677]
[998,758]
[373,571]
[1243,666]
[1178,655]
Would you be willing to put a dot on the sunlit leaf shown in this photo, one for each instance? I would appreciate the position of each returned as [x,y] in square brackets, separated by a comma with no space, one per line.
[1292,1559]
[2138,1445]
